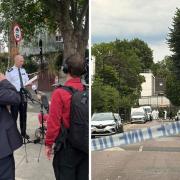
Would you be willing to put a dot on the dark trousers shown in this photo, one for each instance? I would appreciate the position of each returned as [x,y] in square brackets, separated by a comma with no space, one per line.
[7,168]
[22,110]
[71,164]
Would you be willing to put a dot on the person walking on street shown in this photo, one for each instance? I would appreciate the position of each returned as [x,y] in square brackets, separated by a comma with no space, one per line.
[154,114]
[69,163]
[18,77]
[157,114]
[10,138]
[165,114]
[170,115]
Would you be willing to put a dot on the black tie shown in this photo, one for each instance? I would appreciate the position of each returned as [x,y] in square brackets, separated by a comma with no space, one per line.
[20,77]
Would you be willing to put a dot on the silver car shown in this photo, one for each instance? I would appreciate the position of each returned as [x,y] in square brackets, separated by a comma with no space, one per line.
[139,117]
[107,123]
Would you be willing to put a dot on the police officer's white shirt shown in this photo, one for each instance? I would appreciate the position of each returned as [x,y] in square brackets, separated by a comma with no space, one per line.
[12,76]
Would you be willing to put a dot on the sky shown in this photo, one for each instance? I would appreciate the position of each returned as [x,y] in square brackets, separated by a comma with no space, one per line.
[127,19]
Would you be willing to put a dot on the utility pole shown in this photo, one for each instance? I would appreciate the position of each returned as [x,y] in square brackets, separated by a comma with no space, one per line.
[41,53]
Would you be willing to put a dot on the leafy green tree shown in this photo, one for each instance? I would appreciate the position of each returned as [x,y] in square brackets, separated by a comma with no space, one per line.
[143,52]
[3,62]
[104,97]
[70,17]
[163,68]
[109,75]
[118,66]
[173,90]
[31,66]
[174,42]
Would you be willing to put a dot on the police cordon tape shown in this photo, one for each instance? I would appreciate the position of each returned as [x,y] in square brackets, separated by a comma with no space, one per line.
[136,136]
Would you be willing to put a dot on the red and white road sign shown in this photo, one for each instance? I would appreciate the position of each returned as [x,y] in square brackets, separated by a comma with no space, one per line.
[17,33]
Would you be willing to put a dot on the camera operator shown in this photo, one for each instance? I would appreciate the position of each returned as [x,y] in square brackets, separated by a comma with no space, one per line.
[68,163]
[10,139]
[18,77]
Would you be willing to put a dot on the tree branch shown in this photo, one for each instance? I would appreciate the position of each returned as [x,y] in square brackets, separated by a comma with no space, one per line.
[83,13]
[73,12]
[65,16]
[86,27]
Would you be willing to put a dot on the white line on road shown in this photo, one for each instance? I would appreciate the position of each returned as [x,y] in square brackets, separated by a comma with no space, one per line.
[115,149]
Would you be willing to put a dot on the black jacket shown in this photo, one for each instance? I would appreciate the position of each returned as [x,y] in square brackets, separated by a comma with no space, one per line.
[10,138]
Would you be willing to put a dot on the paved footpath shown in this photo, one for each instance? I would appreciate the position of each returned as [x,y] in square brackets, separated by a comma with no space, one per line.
[32,170]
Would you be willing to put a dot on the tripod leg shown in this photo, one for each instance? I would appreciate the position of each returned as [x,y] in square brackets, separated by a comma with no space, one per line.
[24,140]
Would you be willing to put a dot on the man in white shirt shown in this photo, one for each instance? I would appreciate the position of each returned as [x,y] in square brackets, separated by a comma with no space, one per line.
[18,77]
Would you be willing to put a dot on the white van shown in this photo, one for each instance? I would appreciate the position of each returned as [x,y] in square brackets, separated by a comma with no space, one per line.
[138,115]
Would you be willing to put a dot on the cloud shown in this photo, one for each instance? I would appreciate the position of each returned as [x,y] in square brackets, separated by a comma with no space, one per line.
[147,20]
[160,50]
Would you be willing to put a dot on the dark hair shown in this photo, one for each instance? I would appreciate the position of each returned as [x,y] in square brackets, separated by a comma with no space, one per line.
[75,65]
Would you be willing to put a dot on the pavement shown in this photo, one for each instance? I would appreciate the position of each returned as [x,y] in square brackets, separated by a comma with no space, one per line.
[157,159]
[31,169]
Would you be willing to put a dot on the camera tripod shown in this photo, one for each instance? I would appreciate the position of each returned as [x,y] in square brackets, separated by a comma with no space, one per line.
[43,105]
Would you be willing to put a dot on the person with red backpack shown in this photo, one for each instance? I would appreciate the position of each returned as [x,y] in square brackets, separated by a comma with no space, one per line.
[67,125]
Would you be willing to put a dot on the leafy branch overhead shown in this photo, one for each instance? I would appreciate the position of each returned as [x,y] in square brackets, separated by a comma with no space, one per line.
[70,17]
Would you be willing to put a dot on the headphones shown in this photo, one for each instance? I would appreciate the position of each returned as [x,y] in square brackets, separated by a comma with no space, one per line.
[65,66]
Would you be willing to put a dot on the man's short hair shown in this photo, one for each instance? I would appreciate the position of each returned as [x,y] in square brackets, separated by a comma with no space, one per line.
[75,65]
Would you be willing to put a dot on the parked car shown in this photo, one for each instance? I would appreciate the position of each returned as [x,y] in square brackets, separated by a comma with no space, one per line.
[148,110]
[138,115]
[106,123]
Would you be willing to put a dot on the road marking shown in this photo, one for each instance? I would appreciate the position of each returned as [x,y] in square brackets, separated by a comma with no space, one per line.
[140,148]
[115,149]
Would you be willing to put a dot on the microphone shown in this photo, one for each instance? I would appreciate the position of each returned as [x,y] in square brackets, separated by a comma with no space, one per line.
[34,88]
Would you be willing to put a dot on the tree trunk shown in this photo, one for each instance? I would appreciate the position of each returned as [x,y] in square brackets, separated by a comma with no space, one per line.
[73,44]
[13,47]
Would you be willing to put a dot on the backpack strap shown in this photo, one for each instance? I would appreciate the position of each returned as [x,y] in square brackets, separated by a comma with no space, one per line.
[70,89]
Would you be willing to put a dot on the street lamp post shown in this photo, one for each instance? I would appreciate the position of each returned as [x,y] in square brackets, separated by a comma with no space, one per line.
[41,53]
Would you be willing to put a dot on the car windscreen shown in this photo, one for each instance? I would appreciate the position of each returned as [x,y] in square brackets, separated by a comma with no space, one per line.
[102,117]
[148,110]
[137,114]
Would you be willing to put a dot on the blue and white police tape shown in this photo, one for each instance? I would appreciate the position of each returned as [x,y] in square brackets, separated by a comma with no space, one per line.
[136,136]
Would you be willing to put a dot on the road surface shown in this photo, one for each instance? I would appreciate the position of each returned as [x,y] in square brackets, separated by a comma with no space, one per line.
[157,159]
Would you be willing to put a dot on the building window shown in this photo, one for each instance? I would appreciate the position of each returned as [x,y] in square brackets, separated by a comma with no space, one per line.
[59,38]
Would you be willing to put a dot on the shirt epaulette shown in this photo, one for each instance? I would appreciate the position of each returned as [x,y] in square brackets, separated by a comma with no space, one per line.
[10,69]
